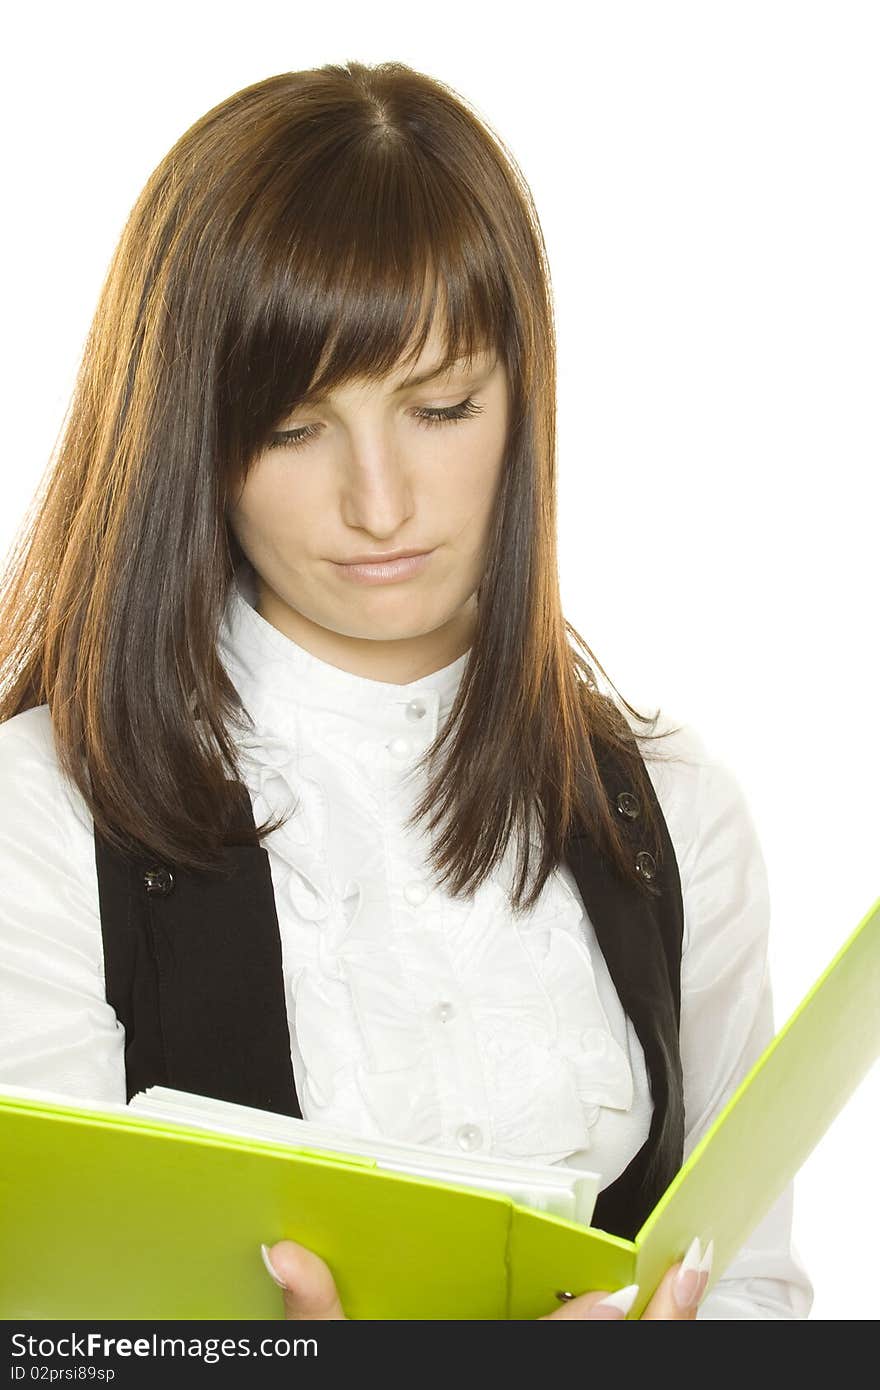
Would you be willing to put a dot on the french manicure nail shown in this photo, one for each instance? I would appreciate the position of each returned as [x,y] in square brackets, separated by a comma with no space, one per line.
[686,1288]
[264,1251]
[706,1269]
[616,1305]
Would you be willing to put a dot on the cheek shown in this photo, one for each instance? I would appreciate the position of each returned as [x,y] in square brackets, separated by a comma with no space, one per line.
[272,506]
[473,472]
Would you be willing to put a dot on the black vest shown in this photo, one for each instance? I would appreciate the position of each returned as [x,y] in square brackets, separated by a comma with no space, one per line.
[193,970]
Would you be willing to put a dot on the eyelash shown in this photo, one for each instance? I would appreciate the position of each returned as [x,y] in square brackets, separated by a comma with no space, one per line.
[429,416]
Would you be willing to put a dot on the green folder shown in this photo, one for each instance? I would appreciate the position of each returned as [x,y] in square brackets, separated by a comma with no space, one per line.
[126,1217]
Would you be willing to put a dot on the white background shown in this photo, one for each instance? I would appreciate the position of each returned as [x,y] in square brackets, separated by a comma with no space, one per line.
[707,180]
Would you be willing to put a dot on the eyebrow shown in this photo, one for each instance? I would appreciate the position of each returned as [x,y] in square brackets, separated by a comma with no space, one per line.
[433,372]
[430,374]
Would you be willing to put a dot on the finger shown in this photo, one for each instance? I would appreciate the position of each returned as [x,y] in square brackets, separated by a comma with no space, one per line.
[678,1295]
[597,1305]
[307,1283]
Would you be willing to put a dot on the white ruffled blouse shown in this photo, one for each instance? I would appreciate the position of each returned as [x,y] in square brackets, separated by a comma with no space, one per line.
[412,1015]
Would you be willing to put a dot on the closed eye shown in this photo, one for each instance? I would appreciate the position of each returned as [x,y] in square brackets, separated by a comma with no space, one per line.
[427,416]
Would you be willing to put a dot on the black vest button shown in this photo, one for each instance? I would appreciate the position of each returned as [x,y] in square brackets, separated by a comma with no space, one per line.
[159,880]
[646,865]
[628,805]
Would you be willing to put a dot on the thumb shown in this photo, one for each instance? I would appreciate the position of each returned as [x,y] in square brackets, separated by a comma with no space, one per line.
[681,1289]
[309,1287]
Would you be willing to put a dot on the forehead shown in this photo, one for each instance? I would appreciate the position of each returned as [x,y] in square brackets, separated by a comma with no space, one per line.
[428,367]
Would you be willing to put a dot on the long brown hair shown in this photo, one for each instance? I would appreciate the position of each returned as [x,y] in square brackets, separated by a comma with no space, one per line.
[303,232]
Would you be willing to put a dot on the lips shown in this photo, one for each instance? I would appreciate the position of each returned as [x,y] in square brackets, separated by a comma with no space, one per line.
[382,559]
[386,571]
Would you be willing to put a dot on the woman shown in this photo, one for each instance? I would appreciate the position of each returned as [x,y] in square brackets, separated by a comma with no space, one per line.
[326,338]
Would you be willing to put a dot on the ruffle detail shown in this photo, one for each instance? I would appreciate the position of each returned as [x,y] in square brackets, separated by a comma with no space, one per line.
[529,1056]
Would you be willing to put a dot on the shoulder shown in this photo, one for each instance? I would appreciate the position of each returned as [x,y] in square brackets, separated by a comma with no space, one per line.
[32,729]
[676,759]
[38,804]
[709,816]
[28,761]
[57,1031]
[48,877]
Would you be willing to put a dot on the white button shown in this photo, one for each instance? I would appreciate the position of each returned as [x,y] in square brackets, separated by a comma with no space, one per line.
[416,709]
[444,1010]
[399,747]
[469,1137]
[416,892]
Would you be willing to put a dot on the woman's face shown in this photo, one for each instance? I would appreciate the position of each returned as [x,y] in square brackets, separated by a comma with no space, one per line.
[371,477]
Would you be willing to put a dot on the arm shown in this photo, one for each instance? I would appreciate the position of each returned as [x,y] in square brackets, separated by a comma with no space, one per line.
[57,1031]
[726,1022]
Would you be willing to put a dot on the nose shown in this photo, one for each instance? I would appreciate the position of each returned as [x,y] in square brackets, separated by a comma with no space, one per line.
[378,493]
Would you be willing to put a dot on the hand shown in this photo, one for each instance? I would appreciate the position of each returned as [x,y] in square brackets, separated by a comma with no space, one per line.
[310,1292]
[673,1300]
